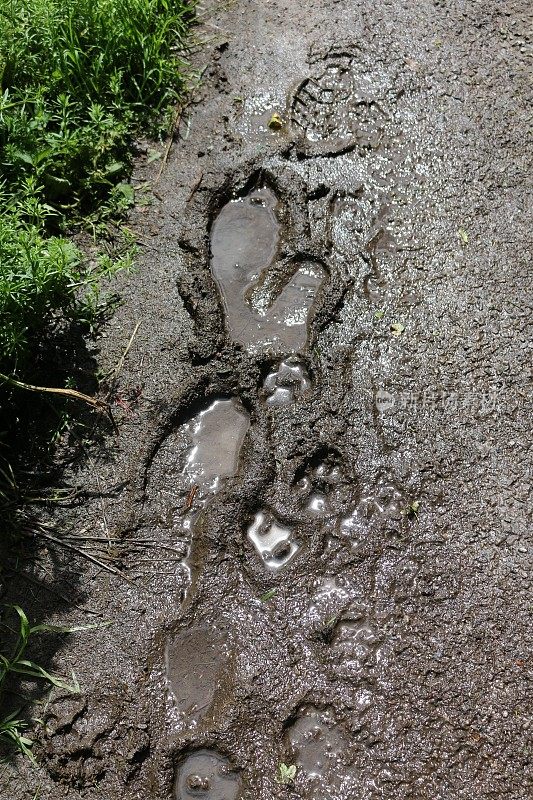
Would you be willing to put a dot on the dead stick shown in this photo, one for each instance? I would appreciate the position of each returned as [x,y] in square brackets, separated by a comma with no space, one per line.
[82,553]
[195,187]
[72,394]
[120,363]
[174,130]
[176,124]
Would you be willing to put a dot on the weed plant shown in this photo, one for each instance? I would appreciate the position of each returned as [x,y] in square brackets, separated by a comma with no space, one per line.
[17,664]
[78,80]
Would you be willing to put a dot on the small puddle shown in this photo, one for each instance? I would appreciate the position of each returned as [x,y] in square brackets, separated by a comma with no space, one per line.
[195,662]
[207,775]
[217,435]
[261,312]
[273,542]
[287,383]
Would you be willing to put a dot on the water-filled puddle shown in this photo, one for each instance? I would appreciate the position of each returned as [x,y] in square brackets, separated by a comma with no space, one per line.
[318,746]
[207,775]
[274,542]
[262,311]
[195,662]
[217,435]
[287,383]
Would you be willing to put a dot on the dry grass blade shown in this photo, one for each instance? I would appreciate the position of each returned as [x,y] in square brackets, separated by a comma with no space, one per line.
[120,363]
[72,394]
[38,531]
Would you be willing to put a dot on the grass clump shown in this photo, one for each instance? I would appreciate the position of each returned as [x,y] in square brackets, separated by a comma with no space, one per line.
[16,664]
[78,80]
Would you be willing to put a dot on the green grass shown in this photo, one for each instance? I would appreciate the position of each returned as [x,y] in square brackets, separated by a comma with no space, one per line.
[16,664]
[78,80]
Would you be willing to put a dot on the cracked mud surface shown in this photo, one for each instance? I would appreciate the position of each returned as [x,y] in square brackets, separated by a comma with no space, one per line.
[330,457]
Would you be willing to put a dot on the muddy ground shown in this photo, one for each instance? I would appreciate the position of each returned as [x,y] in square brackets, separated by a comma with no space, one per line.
[318,500]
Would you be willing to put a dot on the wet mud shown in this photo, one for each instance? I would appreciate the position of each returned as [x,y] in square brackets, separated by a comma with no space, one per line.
[330,455]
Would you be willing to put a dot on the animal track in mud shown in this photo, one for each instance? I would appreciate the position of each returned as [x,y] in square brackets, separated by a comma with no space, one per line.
[263,309]
[317,488]
[334,108]
[318,746]
[208,775]
[287,383]
[378,506]
[196,669]
[274,543]
[354,640]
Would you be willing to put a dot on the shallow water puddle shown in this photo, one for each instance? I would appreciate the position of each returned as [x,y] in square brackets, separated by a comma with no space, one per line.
[195,661]
[217,435]
[261,312]
[274,543]
[206,774]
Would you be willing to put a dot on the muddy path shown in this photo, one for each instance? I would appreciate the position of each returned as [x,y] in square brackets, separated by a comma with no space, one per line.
[319,498]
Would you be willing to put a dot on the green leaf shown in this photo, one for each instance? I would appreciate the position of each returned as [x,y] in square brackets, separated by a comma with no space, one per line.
[115,167]
[287,773]
[463,235]
[275,122]
[268,595]
[411,511]
[379,314]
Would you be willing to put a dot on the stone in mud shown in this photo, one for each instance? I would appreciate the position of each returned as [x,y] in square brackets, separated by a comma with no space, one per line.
[208,775]
[263,311]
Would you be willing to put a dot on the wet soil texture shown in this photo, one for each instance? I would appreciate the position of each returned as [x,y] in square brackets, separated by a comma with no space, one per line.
[330,456]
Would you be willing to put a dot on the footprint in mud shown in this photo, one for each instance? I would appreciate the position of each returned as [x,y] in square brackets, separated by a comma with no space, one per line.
[336,109]
[287,383]
[196,665]
[378,506]
[208,775]
[318,746]
[217,434]
[189,468]
[317,488]
[354,641]
[274,543]
[264,310]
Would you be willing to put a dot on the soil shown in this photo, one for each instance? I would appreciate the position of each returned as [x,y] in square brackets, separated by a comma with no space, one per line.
[317,503]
